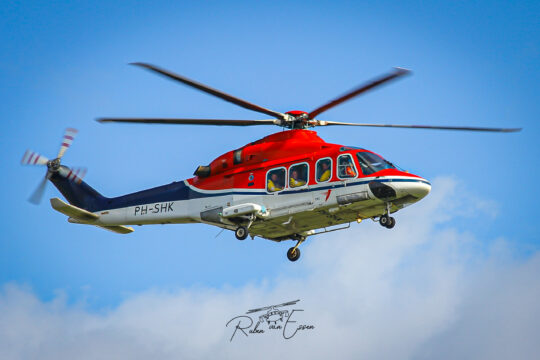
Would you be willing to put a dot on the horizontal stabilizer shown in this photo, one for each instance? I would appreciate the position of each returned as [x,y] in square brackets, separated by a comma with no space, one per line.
[72,211]
[119,229]
[81,216]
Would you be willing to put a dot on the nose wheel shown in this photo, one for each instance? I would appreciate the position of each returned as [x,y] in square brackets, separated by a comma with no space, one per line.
[387,221]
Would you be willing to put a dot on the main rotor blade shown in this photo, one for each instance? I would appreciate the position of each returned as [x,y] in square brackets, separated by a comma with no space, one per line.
[36,196]
[211,91]
[429,127]
[191,121]
[359,90]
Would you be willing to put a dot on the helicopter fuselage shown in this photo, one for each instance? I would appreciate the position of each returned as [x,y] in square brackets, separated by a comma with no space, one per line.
[284,186]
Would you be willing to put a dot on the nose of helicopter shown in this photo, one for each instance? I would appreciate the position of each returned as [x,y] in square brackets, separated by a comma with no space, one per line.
[419,188]
[409,187]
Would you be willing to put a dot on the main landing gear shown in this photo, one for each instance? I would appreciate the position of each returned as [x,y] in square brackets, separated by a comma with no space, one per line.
[386,220]
[293,253]
[241,233]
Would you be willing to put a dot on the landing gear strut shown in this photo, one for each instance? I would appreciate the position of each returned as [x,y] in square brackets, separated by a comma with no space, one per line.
[293,253]
[241,233]
[386,220]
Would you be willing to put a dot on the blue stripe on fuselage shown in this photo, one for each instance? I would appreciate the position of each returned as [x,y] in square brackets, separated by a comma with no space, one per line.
[178,191]
[84,196]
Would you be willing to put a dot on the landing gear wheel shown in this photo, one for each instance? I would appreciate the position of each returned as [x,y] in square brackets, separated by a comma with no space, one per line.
[391,223]
[241,233]
[384,220]
[293,254]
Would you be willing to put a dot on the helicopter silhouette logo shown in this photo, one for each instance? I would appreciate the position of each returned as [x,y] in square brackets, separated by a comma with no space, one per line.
[273,315]
[276,318]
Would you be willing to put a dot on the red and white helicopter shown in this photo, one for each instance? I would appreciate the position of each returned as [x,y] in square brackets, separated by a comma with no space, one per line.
[286,186]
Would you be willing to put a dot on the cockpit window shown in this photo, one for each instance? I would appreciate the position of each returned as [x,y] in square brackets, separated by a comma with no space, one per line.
[275,180]
[371,163]
[347,148]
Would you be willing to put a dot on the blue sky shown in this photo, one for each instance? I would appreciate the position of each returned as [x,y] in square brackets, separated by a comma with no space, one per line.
[65,64]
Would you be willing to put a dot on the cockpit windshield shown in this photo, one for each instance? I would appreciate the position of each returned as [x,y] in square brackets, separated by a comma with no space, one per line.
[371,163]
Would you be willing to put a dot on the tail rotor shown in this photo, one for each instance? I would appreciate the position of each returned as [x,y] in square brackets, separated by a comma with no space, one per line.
[53,166]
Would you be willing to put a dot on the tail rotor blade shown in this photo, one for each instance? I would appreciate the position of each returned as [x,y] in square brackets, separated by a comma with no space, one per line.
[80,175]
[74,174]
[37,195]
[33,158]
[69,135]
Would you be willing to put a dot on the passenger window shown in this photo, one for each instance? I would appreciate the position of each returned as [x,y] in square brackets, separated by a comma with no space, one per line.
[324,170]
[298,175]
[275,180]
[346,168]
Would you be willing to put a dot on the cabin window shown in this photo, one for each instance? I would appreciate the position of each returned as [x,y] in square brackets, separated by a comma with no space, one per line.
[371,163]
[275,180]
[324,170]
[345,167]
[298,175]
[237,156]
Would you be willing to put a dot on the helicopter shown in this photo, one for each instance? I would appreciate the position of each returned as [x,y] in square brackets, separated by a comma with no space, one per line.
[286,186]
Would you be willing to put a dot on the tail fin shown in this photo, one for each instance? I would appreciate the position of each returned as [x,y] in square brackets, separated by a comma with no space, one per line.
[78,193]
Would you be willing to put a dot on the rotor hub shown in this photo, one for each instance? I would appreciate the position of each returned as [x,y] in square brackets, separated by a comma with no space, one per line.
[53,165]
[297,119]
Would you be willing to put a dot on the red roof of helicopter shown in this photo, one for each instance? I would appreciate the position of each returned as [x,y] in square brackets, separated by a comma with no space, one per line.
[275,150]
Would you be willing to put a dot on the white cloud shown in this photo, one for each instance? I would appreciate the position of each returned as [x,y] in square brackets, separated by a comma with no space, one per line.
[421,290]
